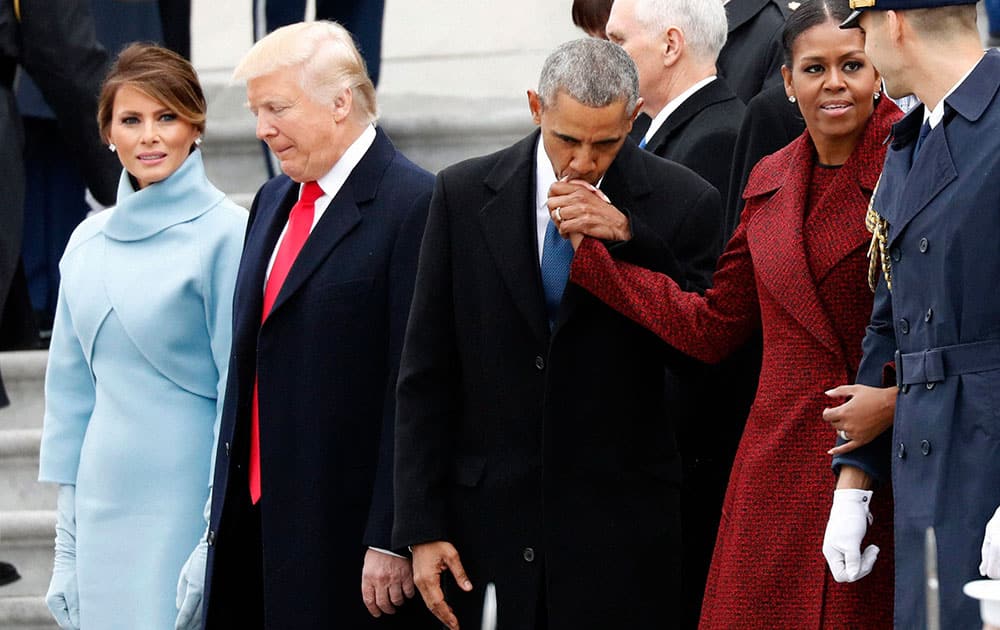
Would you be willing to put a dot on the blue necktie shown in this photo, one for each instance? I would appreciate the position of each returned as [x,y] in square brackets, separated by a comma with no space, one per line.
[557,255]
[642,143]
[924,130]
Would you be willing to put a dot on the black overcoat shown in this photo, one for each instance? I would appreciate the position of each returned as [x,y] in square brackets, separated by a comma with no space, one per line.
[547,458]
[326,358]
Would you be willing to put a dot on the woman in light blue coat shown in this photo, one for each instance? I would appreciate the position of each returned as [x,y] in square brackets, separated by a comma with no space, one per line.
[137,364]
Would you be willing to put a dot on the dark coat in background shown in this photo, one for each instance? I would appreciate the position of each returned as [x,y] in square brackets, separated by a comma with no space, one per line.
[325,360]
[547,458]
[701,133]
[752,57]
[769,123]
[56,42]
[798,274]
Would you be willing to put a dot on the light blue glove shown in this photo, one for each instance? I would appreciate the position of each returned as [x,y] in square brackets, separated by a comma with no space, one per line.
[191,583]
[63,598]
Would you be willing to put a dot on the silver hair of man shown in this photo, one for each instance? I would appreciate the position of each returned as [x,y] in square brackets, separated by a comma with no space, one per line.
[325,56]
[594,72]
[703,23]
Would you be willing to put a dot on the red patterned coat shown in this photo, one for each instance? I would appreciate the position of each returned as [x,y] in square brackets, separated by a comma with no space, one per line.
[801,277]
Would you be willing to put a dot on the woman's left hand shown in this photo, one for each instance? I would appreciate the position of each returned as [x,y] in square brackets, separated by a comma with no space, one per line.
[867,412]
[191,589]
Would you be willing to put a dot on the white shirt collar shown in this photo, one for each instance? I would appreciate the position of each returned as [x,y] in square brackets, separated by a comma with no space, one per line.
[332,182]
[672,106]
[936,115]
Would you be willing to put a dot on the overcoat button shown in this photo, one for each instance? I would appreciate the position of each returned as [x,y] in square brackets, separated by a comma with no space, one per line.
[904,326]
[929,315]
[211,538]
[895,254]
[901,451]
[925,447]
[529,554]
[539,362]
[923,245]
[227,449]
[930,385]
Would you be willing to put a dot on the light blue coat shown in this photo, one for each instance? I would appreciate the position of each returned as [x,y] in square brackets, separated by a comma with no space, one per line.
[134,387]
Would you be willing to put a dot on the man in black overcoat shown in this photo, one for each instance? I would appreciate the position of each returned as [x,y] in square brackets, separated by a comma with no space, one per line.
[534,446]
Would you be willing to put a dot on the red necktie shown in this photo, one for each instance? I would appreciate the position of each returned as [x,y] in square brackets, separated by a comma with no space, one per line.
[300,221]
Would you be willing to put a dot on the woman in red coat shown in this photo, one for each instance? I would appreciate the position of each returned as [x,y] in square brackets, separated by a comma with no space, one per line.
[796,267]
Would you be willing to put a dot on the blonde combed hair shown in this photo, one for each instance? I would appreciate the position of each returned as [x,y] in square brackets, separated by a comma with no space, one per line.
[325,55]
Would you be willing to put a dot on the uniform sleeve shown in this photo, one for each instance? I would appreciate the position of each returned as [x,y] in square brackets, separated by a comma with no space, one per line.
[426,396]
[69,400]
[402,275]
[707,327]
[879,348]
[59,49]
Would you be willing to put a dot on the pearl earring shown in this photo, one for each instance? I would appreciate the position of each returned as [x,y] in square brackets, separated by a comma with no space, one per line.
[878,95]
[197,141]
[791,99]
[112,147]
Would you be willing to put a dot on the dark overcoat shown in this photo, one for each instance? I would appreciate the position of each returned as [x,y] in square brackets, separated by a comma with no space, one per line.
[326,360]
[943,213]
[798,274]
[700,134]
[56,42]
[752,57]
[546,457]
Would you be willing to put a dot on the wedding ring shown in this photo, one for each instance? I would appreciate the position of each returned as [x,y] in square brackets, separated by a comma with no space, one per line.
[843,435]
[558,215]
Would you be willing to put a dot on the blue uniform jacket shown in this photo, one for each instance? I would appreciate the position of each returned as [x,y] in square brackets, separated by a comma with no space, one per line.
[940,324]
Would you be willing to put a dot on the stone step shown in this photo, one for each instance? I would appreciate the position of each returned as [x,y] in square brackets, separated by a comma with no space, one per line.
[26,541]
[24,379]
[24,613]
[19,485]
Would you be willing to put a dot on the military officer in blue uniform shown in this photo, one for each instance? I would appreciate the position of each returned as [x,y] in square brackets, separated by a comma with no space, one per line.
[935,328]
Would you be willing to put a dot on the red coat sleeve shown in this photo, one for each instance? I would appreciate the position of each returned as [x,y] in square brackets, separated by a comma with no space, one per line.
[707,327]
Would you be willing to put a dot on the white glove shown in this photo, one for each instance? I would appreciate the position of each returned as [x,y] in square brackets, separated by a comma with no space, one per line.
[191,583]
[63,597]
[191,589]
[849,521]
[990,566]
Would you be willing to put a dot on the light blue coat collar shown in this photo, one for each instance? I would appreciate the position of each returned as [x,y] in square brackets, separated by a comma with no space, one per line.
[184,196]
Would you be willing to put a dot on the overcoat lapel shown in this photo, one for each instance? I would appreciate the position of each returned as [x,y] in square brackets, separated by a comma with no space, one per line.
[926,179]
[508,224]
[340,217]
[713,93]
[779,231]
[776,231]
[269,218]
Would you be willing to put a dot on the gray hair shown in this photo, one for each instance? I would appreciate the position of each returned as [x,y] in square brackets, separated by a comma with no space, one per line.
[325,56]
[594,72]
[703,23]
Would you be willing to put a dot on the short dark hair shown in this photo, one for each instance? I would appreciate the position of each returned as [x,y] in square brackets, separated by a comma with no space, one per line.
[809,14]
[159,73]
[591,15]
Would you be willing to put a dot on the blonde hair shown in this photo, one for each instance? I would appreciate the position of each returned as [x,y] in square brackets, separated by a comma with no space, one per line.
[325,55]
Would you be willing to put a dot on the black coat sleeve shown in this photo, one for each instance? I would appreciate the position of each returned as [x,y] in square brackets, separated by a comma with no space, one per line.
[59,49]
